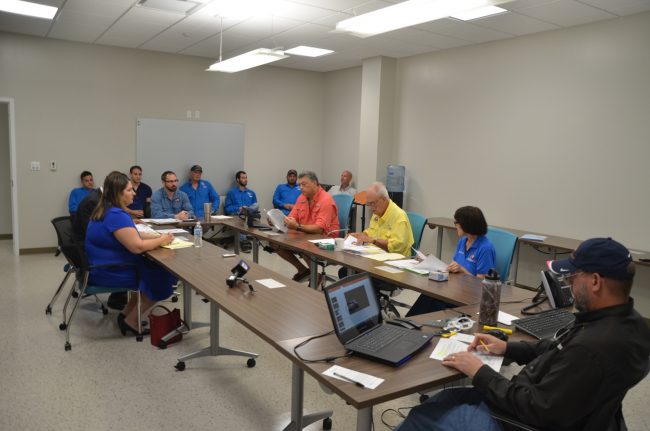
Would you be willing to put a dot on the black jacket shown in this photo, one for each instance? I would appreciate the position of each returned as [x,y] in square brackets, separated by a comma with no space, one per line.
[579,382]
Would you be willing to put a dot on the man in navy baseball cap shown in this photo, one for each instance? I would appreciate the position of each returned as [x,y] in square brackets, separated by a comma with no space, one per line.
[603,256]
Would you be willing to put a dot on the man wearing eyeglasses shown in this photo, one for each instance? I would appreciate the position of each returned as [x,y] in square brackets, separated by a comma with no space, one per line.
[169,202]
[575,381]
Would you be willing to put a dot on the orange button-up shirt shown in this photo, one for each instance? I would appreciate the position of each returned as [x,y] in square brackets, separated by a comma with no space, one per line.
[321,212]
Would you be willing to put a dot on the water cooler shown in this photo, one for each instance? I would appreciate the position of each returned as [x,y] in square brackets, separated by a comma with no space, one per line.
[395,183]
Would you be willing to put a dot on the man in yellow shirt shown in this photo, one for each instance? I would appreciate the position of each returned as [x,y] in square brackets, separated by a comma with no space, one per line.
[389,226]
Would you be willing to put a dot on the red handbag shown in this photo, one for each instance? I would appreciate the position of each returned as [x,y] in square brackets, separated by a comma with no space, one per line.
[162,324]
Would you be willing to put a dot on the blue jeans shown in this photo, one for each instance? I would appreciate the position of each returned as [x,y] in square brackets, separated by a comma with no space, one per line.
[455,409]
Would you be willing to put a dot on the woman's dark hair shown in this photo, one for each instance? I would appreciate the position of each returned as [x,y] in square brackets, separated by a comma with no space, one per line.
[114,185]
[471,220]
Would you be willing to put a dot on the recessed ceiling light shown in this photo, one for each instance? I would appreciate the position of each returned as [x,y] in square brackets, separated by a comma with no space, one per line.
[308,51]
[248,60]
[27,8]
[478,13]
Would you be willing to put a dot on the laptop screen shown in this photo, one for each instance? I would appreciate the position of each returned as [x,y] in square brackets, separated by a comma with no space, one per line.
[353,306]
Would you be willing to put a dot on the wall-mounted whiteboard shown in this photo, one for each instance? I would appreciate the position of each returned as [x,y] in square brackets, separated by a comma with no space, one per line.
[177,145]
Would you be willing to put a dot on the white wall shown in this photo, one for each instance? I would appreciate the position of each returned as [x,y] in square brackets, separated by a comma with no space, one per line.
[5,178]
[77,104]
[342,111]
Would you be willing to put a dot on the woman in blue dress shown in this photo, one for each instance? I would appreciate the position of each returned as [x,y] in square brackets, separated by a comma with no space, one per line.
[112,238]
[474,255]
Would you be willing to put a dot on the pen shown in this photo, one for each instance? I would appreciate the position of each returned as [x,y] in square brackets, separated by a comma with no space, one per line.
[506,330]
[361,385]
[484,345]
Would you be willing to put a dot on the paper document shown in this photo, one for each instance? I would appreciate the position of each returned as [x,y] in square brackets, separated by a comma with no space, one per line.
[351,376]
[323,241]
[533,237]
[431,263]
[383,257]
[175,230]
[350,245]
[270,283]
[447,346]
[220,217]
[143,228]
[161,220]
[178,243]
[505,318]
[277,220]
[390,269]
[463,338]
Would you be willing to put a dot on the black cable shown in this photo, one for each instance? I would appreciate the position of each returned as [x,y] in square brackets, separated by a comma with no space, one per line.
[399,414]
[325,359]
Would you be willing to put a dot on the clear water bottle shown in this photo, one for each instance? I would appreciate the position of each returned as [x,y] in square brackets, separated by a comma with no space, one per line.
[490,299]
[198,234]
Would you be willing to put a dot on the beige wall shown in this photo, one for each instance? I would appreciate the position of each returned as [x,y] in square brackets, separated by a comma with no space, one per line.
[5,179]
[77,104]
[342,111]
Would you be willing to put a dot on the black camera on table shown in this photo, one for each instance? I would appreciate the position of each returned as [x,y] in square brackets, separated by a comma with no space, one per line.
[238,271]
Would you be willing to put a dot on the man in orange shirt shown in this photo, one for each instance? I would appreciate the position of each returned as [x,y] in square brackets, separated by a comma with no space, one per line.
[314,212]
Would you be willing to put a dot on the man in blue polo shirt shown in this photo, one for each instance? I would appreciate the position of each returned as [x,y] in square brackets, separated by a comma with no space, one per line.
[285,195]
[200,192]
[77,194]
[142,193]
[169,202]
[239,197]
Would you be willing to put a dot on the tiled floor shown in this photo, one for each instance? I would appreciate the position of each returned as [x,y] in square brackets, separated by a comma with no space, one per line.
[112,382]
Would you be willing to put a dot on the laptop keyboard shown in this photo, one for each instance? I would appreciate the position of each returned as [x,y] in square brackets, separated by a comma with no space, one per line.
[379,338]
[546,323]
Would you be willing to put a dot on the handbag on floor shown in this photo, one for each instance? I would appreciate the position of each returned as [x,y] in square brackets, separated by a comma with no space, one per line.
[163,324]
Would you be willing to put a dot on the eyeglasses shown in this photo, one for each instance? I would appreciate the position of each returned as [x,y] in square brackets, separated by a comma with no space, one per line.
[570,277]
[171,181]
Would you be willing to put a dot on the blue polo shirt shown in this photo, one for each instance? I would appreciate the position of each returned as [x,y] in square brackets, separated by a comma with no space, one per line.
[76,196]
[239,198]
[204,193]
[142,193]
[480,257]
[285,194]
[163,207]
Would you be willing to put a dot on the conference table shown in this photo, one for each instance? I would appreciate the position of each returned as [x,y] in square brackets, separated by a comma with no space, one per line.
[555,244]
[286,316]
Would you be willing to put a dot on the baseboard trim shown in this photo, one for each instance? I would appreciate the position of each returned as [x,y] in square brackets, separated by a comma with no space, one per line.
[38,250]
[6,236]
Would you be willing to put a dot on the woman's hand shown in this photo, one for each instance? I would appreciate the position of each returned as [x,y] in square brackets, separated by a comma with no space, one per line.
[455,267]
[166,238]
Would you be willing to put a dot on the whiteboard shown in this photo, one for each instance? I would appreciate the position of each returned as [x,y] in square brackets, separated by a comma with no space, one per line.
[175,145]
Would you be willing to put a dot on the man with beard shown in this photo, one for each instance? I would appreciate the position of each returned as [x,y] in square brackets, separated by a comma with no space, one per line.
[285,195]
[169,202]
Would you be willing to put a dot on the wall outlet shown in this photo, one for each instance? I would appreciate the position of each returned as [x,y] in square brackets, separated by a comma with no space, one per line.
[35,166]
[197,114]
[53,166]
[189,114]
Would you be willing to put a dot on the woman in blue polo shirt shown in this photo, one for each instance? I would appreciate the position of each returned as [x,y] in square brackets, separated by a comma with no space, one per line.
[111,238]
[475,255]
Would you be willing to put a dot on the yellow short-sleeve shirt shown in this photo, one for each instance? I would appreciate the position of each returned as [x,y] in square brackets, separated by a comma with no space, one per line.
[393,226]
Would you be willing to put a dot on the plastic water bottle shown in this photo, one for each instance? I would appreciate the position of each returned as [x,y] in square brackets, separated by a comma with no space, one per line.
[198,234]
[490,299]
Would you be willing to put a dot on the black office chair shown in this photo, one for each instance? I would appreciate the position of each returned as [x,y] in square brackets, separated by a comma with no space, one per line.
[64,235]
[76,258]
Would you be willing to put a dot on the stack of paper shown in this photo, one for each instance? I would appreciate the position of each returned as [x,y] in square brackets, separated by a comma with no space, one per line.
[447,346]
[429,264]
[161,220]
[178,243]
[351,245]
[277,220]
[143,228]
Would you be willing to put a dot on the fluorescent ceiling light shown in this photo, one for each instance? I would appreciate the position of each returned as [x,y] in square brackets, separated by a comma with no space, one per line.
[248,60]
[406,14]
[28,8]
[478,13]
[308,51]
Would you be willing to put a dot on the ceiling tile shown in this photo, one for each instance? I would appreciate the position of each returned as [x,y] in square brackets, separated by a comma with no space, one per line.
[302,12]
[462,30]
[514,23]
[620,7]
[426,38]
[80,27]
[210,47]
[259,27]
[24,24]
[567,13]
[110,8]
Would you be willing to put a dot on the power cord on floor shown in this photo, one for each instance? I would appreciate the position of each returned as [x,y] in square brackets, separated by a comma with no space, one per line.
[397,412]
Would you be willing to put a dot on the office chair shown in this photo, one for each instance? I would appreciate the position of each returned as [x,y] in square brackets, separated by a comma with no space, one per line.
[76,257]
[64,235]
[504,244]
[343,207]
[386,292]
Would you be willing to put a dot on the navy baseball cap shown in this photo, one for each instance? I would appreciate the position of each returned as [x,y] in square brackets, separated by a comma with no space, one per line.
[292,172]
[600,255]
[196,168]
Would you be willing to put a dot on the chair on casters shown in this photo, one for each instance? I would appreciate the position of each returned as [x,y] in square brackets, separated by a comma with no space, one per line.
[64,235]
[504,244]
[343,207]
[388,305]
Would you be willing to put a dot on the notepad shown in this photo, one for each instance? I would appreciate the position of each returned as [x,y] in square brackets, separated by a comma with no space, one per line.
[178,243]
[270,283]
[447,346]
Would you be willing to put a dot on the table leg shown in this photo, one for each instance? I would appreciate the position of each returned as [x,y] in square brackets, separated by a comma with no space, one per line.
[313,273]
[298,420]
[214,349]
[553,251]
[364,419]
[515,264]
[439,247]
[256,249]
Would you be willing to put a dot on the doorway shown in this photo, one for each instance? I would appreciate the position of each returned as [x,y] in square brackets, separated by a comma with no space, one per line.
[8,195]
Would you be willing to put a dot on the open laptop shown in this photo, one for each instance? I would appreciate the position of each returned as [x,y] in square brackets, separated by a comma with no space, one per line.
[355,314]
